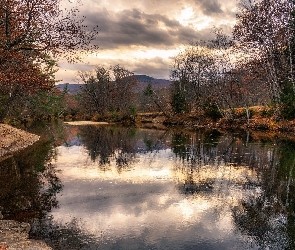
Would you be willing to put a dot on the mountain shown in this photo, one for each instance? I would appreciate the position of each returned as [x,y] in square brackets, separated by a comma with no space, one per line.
[73,88]
[143,81]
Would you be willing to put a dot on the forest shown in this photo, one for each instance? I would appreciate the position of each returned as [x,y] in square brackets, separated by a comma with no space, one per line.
[232,79]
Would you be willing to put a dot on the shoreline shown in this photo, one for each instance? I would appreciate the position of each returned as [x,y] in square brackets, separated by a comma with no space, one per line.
[13,140]
[14,234]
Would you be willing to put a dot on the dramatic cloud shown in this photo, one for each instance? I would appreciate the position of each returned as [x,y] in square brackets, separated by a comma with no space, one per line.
[210,7]
[133,27]
[131,31]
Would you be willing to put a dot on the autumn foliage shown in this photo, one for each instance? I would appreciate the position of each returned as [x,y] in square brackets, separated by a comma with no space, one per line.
[254,66]
[32,34]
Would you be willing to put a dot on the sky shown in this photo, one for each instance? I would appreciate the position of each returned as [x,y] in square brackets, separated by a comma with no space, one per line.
[144,35]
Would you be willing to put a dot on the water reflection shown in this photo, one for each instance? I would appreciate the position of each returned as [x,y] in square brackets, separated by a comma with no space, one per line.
[28,183]
[270,217]
[120,204]
[204,163]
[106,143]
[147,189]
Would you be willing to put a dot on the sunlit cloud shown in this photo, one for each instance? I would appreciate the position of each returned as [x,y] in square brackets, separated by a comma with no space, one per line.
[140,32]
[140,60]
[186,16]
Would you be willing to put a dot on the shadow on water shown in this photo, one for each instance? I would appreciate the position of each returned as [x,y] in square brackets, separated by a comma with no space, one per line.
[269,218]
[251,180]
[28,182]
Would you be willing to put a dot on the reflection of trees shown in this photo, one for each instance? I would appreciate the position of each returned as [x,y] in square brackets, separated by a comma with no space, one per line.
[61,237]
[108,143]
[194,148]
[270,217]
[197,153]
[192,153]
[28,183]
[267,213]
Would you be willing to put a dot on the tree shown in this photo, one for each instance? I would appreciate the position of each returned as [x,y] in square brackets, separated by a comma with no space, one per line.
[107,90]
[193,69]
[178,98]
[243,88]
[199,74]
[263,32]
[123,94]
[154,100]
[17,82]
[32,32]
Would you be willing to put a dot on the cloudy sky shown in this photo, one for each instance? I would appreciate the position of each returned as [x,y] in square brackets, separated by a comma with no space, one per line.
[144,35]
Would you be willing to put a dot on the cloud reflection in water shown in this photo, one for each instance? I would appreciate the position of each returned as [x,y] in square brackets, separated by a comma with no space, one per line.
[146,203]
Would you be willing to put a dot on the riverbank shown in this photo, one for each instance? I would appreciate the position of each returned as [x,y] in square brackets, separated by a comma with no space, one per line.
[15,236]
[260,119]
[13,140]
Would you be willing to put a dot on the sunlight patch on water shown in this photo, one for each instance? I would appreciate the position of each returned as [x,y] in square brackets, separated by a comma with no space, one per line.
[77,165]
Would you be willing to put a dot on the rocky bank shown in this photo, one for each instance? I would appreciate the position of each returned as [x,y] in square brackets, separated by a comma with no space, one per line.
[13,140]
[14,235]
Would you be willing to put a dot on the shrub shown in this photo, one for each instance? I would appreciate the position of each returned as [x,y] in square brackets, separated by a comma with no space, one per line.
[266,112]
[287,107]
[133,110]
[212,111]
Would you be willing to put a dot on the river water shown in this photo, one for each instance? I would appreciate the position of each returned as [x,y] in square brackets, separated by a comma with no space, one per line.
[108,187]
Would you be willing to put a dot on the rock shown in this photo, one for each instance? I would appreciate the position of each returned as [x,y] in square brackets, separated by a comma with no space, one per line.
[14,236]
[13,139]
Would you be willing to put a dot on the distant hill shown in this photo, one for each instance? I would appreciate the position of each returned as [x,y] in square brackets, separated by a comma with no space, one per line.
[144,78]
[143,81]
[73,88]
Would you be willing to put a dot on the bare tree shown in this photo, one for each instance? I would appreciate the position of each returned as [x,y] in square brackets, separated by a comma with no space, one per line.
[200,74]
[263,32]
[107,90]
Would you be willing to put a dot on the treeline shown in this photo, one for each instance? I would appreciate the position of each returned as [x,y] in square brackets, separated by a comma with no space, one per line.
[112,93]
[254,66]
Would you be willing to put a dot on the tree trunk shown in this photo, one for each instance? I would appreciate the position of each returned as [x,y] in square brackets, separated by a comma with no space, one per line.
[7,106]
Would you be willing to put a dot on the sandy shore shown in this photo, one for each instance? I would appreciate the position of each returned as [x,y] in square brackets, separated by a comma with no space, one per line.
[13,139]
[86,123]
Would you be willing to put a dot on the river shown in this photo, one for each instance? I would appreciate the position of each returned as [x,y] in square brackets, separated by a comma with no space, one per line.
[108,187]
